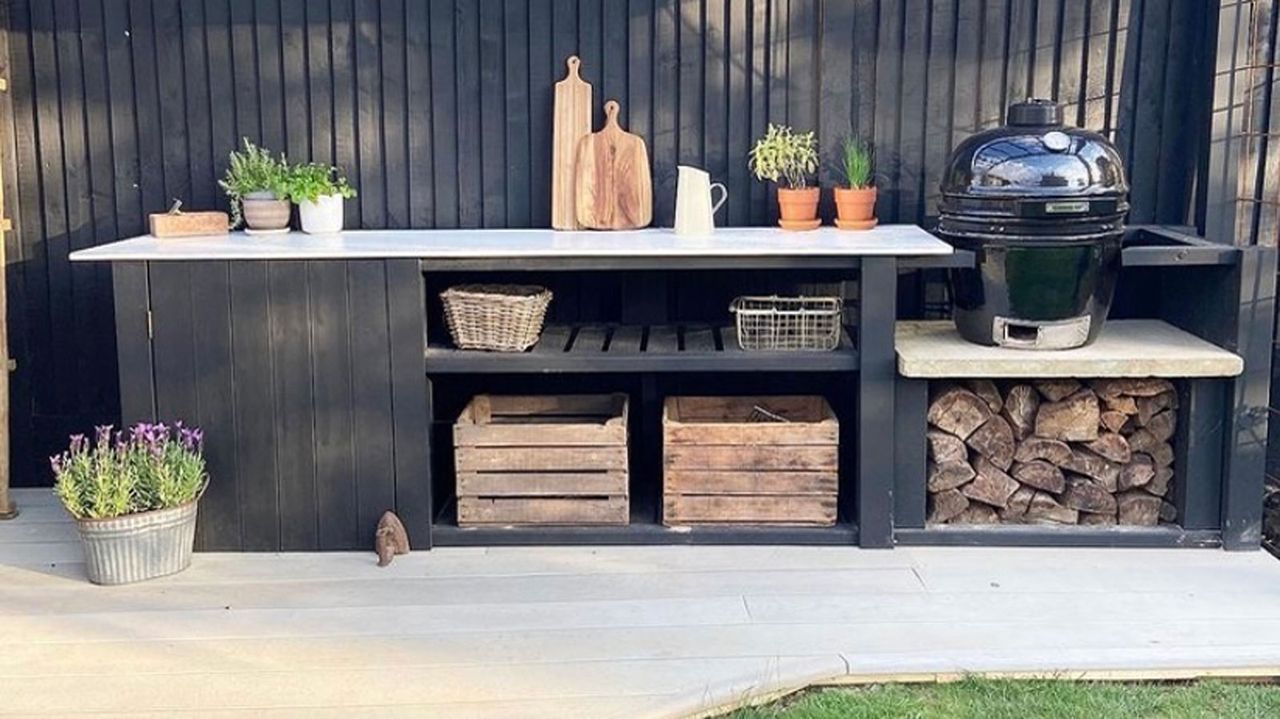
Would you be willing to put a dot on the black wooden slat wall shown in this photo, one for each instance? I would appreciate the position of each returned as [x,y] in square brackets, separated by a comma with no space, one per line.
[440,113]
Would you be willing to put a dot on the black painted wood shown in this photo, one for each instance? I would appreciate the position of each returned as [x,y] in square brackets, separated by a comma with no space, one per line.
[310,379]
[440,113]
[875,402]
[911,405]
[1199,452]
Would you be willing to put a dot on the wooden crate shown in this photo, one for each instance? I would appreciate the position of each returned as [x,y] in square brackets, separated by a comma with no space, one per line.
[722,466]
[533,460]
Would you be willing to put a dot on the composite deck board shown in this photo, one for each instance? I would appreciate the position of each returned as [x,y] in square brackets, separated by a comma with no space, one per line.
[598,631]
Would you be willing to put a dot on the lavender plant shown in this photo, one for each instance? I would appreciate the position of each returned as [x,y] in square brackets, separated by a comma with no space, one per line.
[151,466]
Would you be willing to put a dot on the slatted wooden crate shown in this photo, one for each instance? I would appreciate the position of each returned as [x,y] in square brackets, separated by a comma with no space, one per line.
[726,461]
[531,460]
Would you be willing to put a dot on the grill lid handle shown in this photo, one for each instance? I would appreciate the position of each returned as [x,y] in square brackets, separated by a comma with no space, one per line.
[1034,112]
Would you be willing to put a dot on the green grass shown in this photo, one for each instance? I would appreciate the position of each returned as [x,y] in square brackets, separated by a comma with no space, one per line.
[1026,699]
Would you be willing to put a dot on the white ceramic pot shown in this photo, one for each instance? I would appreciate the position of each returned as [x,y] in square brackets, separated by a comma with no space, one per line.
[322,216]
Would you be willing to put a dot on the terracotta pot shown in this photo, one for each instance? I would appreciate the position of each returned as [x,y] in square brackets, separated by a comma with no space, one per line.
[798,208]
[262,211]
[855,209]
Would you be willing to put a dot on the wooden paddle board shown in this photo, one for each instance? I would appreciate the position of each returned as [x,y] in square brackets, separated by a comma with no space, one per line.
[572,122]
[614,190]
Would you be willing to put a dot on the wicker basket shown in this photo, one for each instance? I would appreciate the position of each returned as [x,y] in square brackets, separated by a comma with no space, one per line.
[503,318]
[788,323]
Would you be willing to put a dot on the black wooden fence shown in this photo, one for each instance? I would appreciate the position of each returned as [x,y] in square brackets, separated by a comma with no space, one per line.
[440,113]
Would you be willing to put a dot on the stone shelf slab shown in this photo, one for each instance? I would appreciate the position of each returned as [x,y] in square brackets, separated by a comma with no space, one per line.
[1126,348]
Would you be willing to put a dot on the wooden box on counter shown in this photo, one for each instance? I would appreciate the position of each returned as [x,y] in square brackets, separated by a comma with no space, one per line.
[542,460]
[750,460]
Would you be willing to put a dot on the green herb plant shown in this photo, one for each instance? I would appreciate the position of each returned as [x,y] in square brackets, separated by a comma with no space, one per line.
[254,169]
[310,182]
[784,156]
[857,163]
[152,466]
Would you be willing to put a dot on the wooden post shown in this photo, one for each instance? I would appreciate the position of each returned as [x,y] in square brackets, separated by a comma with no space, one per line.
[8,510]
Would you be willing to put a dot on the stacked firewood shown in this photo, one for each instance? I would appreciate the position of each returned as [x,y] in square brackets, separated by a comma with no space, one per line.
[1058,451]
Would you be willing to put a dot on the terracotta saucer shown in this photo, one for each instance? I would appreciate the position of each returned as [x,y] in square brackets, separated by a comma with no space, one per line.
[800,224]
[278,231]
[856,224]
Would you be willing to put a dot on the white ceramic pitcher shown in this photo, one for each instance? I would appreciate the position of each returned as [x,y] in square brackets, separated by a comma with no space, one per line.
[695,214]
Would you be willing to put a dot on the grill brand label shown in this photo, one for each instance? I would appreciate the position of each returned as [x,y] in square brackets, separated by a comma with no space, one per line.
[1065,207]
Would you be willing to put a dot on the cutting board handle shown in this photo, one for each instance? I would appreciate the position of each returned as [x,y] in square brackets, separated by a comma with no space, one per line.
[611,109]
[573,62]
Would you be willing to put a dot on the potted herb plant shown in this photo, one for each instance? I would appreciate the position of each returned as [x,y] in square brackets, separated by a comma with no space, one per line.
[256,183]
[856,200]
[319,191]
[133,495]
[788,158]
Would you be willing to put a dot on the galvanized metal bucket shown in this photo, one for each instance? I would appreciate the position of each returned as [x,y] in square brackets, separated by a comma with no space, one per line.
[141,546]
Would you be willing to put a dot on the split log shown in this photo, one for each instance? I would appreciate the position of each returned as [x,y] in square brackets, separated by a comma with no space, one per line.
[1168,512]
[1050,450]
[1148,407]
[1016,508]
[958,411]
[986,389]
[992,486]
[1094,519]
[994,440]
[1111,446]
[1074,419]
[1121,403]
[949,475]
[1142,440]
[976,513]
[1020,405]
[1161,425]
[1161,483]
[1087,495]
[1138,472]
[1133,386]
[1056,390]
[1040,474]
[1044,508]
[1095,467]
[1114,421]
[945,505]
[1138,508]
[946,447]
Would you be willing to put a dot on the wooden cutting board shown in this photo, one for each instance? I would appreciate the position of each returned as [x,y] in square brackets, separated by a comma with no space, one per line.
[572,122]
[614,190]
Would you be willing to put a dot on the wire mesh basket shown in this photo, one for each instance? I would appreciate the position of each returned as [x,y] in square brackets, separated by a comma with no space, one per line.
[777,323]
[502,318]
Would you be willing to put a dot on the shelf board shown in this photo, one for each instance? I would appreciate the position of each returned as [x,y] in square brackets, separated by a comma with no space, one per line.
[1126,348]
[637,348]
[645,528]
[1049,536]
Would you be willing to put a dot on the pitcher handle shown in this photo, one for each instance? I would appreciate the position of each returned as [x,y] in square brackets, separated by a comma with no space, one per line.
[724,195]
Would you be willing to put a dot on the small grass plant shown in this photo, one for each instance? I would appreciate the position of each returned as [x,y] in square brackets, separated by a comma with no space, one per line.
[149,467]
[857,163]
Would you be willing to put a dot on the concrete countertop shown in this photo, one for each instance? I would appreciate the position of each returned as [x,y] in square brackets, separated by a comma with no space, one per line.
[886,240]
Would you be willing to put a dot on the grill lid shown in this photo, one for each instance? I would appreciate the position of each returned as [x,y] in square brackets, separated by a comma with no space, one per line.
[1037,169]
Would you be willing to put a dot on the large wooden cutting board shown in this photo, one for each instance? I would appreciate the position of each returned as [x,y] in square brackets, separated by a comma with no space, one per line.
[572,122]
[615,190]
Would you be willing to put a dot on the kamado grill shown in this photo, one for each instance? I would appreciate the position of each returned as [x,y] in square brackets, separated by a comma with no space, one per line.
[1041,205]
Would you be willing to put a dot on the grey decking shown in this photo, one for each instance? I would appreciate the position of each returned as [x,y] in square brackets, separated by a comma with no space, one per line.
[597,632]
